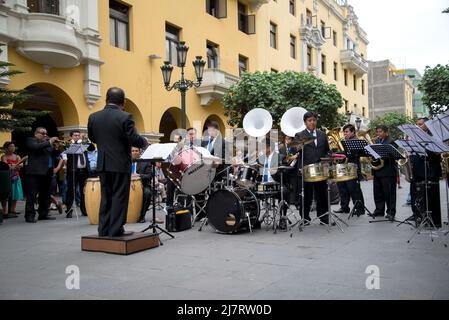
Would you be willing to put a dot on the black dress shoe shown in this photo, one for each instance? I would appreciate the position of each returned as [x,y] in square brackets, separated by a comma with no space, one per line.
[125,233]
[46,218]
[341,210]
[30,220]
[69,214]
[9,216]
[390,217]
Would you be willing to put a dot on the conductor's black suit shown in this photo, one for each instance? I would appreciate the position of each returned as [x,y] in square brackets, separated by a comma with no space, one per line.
[114,132]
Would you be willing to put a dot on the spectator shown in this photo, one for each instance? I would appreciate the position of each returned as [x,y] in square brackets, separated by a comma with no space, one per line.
[15,164]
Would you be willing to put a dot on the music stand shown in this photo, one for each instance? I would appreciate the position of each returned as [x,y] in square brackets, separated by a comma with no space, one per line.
[412,148]
[356,148]
[156,153]
[75,149]
[432,145]
[384,151]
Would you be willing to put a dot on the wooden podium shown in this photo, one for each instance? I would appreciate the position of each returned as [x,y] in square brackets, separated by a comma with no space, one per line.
[125,245]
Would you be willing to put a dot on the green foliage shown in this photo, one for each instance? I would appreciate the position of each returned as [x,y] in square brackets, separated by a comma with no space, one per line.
[14,119]
[392,120]
[446,10]
[435,87]
[278,92]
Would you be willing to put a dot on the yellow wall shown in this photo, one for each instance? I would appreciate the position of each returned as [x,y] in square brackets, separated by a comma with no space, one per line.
[142,79]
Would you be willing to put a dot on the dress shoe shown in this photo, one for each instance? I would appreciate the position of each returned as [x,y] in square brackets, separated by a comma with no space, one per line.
[69,214]
[390,217]
[46,218]
[125,233]
[59,207]
[30,220]
[9,216]
[142,220]
[341,210]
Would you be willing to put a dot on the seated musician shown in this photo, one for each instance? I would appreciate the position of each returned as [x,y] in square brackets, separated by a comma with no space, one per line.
[270,159]
[161,181]
[143,170]
[351,189]
[291,178]
[313,153]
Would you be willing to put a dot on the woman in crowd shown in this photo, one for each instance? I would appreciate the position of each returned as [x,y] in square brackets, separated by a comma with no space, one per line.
[15,164]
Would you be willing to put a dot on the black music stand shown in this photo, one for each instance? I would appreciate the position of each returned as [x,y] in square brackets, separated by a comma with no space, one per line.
[356,148]
[73,150]
[413,149]
[384,151]
[430,144]
[156,153]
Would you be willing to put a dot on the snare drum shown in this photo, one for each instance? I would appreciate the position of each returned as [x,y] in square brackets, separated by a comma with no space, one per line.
[268,189]
[189,173]
[247,176]
[316,172]
[92,198]
[344,172]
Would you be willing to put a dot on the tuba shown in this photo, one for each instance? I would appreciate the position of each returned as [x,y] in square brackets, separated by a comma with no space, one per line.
[375,164]
[405,165]
[258,122]
[334,139]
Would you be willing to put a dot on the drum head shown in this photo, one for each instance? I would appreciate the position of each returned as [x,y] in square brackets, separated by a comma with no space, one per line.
[197,178]
[225,211]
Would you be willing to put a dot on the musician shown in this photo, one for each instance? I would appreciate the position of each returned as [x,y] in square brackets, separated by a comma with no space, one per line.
[189,142]
[39,173]
[384,184]
[77,170]
[114,132]
[434,173]
[313,153]
[290,156]
[351,189]
[143,170]
[216,145]
[270,159]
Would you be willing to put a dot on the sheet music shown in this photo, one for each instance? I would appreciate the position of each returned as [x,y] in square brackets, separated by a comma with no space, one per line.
[373,153]
[76,149]
[158,151]
[436,129]
[411,147]
[424,139]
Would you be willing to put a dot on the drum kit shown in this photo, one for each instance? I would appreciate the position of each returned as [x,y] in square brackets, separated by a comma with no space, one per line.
[236,202]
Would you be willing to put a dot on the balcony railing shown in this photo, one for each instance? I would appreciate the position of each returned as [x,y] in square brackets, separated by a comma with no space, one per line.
[353,61]
[215,84]
[43,6]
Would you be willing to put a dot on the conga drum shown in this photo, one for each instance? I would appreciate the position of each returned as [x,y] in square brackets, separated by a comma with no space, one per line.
[92,197]
[135,200]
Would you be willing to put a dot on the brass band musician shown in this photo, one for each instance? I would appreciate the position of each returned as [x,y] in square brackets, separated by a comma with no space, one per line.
[351,189]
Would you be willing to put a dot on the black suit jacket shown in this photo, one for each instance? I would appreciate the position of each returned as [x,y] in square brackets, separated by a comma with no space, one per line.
[313,153]
[114,132]
[38,154]
[219,147]
[390,168]
[144,170]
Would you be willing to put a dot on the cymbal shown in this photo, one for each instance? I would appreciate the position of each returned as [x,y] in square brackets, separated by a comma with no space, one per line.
[302,141]
[282,168]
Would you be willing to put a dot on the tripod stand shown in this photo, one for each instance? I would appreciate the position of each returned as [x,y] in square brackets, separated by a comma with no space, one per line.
[153,224]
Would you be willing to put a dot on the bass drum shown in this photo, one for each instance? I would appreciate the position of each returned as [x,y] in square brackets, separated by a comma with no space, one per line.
[228,210]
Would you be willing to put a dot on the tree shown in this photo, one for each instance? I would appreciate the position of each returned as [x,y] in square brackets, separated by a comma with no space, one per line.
[435,88]
[13,119]
[278,92]
[392,120]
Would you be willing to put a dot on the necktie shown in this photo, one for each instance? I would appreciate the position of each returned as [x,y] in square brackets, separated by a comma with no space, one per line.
[209,146]
[313,133]
[265,170]
[133,170]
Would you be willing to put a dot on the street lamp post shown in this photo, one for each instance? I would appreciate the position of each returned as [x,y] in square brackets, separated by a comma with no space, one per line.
[358,123]
[183,85]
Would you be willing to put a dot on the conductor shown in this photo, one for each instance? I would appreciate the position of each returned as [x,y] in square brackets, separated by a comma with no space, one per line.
[114,132]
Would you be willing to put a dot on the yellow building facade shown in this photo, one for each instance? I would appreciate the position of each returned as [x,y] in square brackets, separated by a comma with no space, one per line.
[72,51]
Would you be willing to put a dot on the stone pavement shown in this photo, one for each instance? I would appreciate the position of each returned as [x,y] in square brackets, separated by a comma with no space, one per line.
[313,264]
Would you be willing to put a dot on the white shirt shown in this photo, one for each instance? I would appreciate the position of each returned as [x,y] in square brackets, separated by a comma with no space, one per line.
[266,169]
[314,134]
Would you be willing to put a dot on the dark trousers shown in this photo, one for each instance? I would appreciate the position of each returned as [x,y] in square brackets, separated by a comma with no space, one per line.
[114,203]
[38,184]
[293,181]
[419,199]
[146,201]
[170,193]
[384,189]
[74,180]
[320,191]
[350,190]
